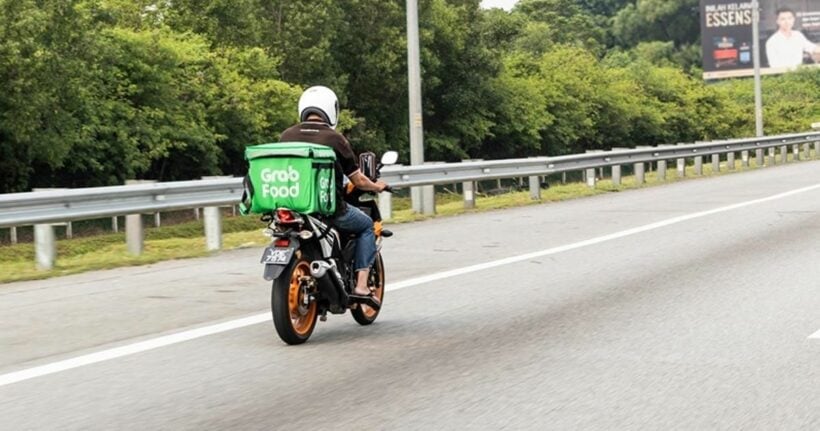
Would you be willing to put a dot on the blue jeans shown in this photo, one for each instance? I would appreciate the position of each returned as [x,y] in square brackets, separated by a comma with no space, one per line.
[353,220]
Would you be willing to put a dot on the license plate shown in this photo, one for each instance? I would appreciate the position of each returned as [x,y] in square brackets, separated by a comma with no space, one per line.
[277,256]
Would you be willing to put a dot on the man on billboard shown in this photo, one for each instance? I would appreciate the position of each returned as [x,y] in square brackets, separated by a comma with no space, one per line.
[785,47]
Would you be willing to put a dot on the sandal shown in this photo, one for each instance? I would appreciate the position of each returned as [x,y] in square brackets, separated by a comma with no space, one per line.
[368,299]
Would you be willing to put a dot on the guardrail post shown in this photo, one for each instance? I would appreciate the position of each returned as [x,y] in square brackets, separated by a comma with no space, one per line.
[428,195]
[213,228]
[213,221]
[616,169]
[680,164]
[196,214]
[771,161]
[386,205]
[134,232]
[469,194]
[115,224]
[45,246]
[469,188]
[591,179]
[715,163]
[759,157]
[535,187]
[661,170]
[591,174]
[744,159]
[807,151]
[730,160]
[817,149]
[13,234]
[796,152]
[699,165]
[640,175]
[647,165]
[784,154]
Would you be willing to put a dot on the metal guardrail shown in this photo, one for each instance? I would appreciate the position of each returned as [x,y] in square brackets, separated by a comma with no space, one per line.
[20,209]
[404,176]
[47,207]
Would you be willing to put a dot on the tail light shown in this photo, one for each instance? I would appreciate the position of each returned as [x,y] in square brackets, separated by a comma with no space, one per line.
[285,216]
[281,242]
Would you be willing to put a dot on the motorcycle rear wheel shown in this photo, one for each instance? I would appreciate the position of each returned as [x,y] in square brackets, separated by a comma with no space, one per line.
[364,314]
[294,321]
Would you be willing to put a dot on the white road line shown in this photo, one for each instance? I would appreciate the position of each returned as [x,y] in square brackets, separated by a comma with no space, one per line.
[593,241]
[130,349]
[167,340]
[816,335]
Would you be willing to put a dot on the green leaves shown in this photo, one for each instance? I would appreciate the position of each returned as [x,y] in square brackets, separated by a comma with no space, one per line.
[94,104]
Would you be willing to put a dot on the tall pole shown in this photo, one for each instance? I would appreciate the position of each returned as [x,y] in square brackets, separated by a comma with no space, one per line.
[414,90]
[756,49]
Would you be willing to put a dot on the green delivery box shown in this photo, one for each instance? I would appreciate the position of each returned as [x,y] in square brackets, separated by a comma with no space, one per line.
[294,175]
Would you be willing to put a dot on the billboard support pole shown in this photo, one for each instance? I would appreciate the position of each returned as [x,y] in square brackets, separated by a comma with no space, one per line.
[756,49]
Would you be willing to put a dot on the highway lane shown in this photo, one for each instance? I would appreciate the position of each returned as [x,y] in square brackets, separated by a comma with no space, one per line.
[700,324]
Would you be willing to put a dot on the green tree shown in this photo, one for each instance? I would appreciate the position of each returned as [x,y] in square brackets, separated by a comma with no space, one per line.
[458,72]
[43,103]
[663,20]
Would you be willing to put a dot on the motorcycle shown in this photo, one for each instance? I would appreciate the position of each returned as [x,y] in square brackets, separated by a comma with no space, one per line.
[310,264]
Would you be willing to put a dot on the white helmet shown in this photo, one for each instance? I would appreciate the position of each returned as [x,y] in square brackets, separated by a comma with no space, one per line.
[321,101]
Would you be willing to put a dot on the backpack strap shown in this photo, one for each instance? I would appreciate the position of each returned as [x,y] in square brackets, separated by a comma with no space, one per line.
[247,196]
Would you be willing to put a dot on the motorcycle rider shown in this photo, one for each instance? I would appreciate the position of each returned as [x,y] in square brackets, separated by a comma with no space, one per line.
[318,116]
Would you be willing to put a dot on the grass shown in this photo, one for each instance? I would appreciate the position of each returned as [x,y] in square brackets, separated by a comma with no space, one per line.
[186,240]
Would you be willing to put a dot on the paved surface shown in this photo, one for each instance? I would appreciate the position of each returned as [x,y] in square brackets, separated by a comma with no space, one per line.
[702,324]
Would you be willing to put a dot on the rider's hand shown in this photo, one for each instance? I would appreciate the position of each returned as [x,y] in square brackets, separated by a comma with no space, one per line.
[381,185]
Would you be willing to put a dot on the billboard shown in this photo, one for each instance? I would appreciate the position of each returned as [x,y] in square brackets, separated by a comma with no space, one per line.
[789,36]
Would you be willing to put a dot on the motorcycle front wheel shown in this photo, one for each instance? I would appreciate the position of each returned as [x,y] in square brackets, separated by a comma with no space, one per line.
[364,314]
[293,318]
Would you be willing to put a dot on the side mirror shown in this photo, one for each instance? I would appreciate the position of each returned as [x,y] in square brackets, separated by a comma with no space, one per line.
[390,158]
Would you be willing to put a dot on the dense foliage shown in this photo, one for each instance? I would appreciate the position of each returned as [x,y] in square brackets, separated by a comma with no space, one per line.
[99,91]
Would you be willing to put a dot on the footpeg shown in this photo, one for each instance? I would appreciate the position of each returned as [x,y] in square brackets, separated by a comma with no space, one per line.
[366,300]
[387,233]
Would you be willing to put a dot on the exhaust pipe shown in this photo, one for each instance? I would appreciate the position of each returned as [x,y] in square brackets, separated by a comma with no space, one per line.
[319,269]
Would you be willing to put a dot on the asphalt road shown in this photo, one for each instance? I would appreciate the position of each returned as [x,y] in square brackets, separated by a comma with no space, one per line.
[644,312]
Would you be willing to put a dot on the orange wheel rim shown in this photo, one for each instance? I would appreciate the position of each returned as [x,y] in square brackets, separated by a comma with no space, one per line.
[301,316]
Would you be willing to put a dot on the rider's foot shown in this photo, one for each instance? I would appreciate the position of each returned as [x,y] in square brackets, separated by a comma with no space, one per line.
[357,296]
[361,291]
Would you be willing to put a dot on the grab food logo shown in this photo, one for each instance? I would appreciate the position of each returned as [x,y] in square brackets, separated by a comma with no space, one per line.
[276,183]
[324,190]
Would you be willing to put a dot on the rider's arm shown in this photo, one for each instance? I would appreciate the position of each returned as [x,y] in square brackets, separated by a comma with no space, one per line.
[351,169]
[361,182]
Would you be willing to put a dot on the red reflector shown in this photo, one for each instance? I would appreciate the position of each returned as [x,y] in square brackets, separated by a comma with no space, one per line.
[285,216]
[281,242]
